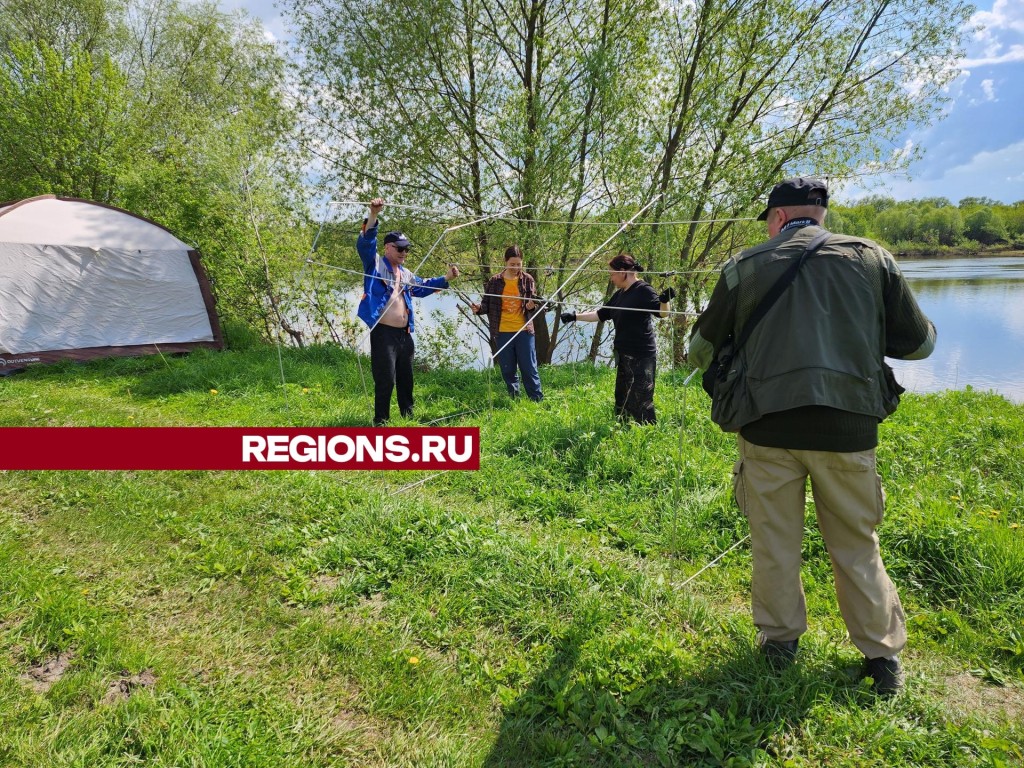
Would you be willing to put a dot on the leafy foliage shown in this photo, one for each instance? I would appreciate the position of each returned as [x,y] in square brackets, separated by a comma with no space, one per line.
[174,111]
[932,224]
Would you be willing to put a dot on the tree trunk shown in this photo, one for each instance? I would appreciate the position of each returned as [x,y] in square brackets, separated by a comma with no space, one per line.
[595,343]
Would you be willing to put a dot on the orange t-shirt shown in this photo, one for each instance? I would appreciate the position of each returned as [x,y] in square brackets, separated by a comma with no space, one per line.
[511,308]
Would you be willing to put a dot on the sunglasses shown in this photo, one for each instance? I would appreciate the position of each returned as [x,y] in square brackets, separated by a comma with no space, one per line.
[401,248]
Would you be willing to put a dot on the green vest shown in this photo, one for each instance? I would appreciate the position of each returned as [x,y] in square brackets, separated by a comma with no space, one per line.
[822,343]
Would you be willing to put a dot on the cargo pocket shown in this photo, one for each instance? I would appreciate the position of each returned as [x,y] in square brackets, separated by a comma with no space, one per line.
[880,497]
[862,462]
[738,491]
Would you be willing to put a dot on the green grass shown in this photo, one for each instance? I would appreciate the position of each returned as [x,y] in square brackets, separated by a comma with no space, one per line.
[531,613]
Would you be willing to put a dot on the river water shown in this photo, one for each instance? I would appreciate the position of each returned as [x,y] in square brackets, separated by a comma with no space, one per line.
[977,305]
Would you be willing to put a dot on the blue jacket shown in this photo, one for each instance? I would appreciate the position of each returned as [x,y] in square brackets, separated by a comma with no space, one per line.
[378,282]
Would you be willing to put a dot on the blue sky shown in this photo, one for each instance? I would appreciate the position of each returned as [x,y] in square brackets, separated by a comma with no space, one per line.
[976,150]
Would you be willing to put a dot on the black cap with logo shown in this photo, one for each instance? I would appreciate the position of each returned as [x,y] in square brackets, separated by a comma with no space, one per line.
[800,190]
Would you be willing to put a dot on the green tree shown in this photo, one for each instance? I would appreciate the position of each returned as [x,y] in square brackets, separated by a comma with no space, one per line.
[974,202]
[878,203]
[61,25]
[849,220]
[985,225]
[67,125]
[756,100]
[578,109]
[899,224]
[931,202]
[1013,215]
[943,225]
[175,111]
[506,104]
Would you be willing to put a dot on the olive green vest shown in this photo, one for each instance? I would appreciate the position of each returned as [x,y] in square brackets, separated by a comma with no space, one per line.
[822,342]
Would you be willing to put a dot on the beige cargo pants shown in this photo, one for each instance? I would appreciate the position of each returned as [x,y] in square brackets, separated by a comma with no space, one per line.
[770,489]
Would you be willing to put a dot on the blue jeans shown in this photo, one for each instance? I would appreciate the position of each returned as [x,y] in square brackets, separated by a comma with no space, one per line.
[521,354]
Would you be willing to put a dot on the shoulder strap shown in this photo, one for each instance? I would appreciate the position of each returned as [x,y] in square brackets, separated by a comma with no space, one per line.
[777,290]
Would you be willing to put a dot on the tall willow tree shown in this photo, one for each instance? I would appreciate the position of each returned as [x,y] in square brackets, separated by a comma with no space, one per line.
[594,108]
[480,104]
[753,91]
[173,110]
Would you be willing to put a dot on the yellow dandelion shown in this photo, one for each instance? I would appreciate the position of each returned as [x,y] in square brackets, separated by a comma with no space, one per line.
[305,390]
[1014,526]
[213,391]
[414,660]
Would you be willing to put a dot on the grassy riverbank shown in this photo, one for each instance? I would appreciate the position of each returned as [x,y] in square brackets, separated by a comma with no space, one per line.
[932,251]
[531,613]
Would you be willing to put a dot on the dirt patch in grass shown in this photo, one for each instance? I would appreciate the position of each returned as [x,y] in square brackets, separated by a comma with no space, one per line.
[326,583]
[347,721]
[123,688]
[967,695]
[367,611]
[373,606]
[45,674]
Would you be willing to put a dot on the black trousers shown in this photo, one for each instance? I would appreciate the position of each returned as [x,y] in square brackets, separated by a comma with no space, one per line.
[391,352]
[634,387]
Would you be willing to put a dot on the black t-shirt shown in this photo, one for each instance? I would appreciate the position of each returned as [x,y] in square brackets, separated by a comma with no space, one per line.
[634,330]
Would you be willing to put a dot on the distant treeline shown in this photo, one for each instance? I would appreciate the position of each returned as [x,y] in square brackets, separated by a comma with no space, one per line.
[933,224]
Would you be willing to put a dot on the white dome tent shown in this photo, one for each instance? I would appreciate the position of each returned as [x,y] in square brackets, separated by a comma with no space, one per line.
[81,280]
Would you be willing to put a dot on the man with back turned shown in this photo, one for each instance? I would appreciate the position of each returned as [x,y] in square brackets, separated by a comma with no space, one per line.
[810,390]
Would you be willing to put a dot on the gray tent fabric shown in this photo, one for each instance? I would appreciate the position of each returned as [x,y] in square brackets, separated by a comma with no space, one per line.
[81,280]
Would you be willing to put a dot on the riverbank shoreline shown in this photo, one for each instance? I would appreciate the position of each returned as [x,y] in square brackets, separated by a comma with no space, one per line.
[949,252]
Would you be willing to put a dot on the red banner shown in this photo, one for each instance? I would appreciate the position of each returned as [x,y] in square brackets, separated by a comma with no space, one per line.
[239,448]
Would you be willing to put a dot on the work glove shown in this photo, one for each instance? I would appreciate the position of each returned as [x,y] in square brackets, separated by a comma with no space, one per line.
[568,317]
[667,295]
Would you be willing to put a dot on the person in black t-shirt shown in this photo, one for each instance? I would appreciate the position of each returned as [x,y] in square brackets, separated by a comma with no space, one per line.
[631,309]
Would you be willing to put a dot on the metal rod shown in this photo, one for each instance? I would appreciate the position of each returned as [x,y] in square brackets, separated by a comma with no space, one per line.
[580,267]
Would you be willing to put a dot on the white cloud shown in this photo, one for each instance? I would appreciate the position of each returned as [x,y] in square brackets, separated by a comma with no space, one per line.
[1014,54]
[988,93]
[1004,15]
[998,174]
[995,34]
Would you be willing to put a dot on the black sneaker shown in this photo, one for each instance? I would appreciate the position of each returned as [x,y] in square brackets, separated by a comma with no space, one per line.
[887,674]
[779,653]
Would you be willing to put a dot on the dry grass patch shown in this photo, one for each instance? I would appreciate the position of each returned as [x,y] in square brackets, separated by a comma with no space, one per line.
[967,695]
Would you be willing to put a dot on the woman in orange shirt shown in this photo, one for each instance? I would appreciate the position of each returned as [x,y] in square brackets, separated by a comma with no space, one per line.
[508,302]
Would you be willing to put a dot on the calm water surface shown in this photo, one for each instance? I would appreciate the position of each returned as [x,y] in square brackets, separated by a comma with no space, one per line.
[977,306]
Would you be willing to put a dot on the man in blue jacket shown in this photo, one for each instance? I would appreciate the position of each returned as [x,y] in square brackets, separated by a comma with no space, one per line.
[386,307]
[811,389]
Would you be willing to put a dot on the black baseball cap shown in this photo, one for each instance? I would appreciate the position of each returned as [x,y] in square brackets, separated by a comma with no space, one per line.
[800,190]
[397,238]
